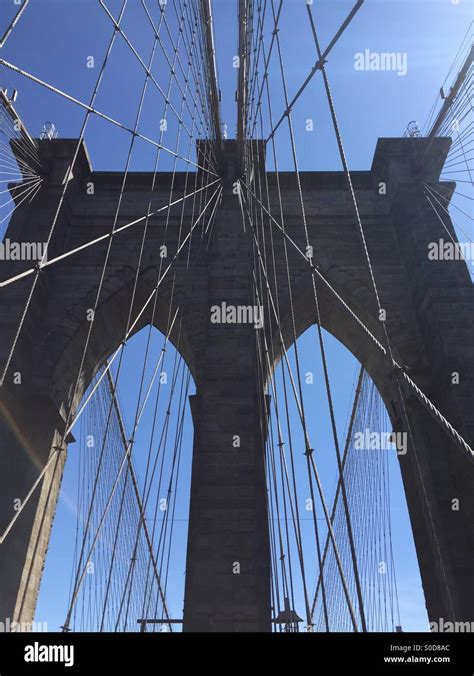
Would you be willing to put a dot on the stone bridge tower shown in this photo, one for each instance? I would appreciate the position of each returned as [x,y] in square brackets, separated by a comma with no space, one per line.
[430,319]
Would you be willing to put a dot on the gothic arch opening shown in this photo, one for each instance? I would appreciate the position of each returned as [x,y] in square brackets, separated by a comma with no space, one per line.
[122,516]
[386,560]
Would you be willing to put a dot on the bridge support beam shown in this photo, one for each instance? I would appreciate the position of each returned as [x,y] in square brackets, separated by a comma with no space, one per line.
[228,557]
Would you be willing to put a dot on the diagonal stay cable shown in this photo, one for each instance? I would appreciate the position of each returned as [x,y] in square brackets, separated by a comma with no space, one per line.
[323,353]
[70,426]
[144,66]
[136,491]
[317,66]
[105,236]
[427,403]
[424,400]
[307,441]
[344,459]
[90,108]
[62,197]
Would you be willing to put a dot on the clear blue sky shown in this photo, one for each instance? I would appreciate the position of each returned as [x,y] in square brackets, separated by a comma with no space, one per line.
[54,39]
